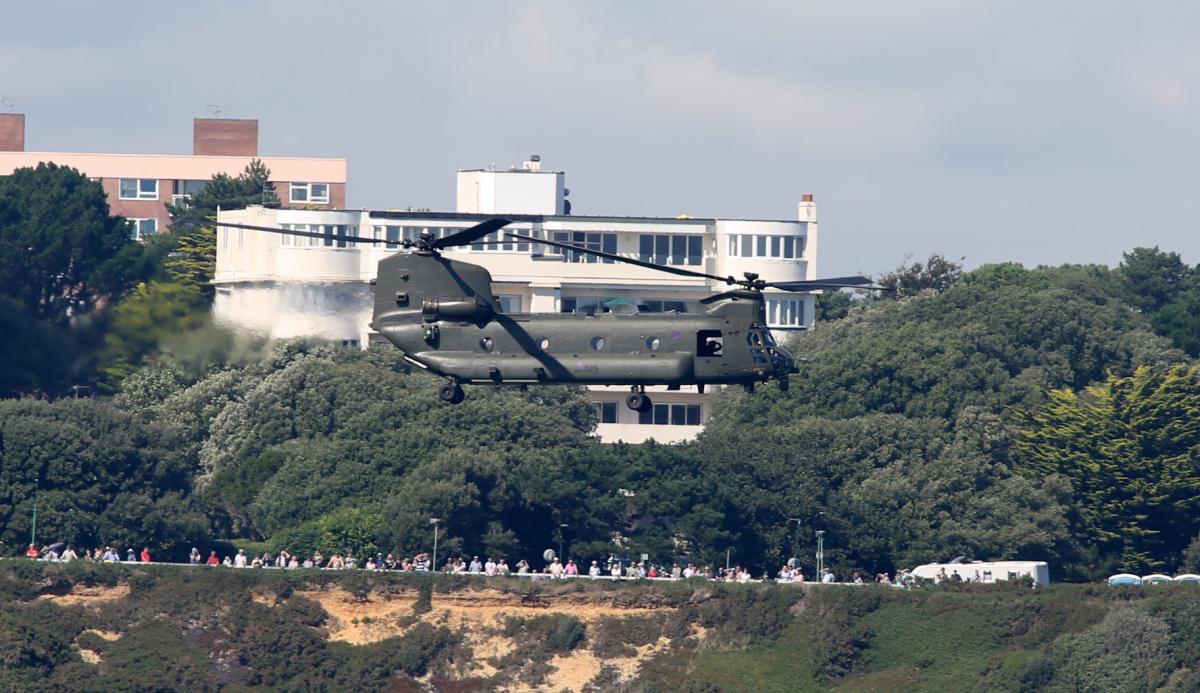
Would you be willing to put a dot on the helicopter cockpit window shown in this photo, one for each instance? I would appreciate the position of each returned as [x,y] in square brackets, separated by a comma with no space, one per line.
[756,341]
[709,343]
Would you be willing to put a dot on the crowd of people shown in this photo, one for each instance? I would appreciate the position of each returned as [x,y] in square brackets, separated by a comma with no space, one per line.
[65,553]
[458,565]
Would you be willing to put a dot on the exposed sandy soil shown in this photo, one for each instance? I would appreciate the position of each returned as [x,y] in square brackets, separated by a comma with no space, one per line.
[480,617]
[88,595]
[91,656]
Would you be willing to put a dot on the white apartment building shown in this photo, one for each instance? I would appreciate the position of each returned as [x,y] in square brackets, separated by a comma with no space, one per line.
[285,286]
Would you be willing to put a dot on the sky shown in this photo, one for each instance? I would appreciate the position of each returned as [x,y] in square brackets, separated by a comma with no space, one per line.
[1034,132]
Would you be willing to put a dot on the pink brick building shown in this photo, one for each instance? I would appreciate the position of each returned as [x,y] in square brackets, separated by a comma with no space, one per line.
[140,186]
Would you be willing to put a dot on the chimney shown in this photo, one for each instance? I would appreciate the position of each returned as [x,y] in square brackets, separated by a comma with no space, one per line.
[807,208]
[12,132]
[224,137]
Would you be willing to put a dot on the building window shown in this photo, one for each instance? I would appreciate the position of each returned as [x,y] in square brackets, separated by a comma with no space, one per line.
[139,189]
[662,305]
[350,343]
[671,415]
[496,241]
[584,304]
[309,193]
[606,412]
[785,312]
[602,242]
[509,303]
[140,229]
[745,245]
[662,249]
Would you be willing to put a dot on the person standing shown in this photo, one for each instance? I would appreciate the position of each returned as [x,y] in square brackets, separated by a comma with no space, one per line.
[145,556]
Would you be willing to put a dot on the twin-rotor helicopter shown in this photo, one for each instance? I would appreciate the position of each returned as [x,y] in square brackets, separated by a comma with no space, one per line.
[442,315]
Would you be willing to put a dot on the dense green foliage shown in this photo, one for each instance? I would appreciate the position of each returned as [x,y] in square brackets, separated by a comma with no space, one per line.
[1130,448]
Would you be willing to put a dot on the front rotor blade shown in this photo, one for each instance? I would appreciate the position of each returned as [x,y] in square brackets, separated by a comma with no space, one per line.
[619,258]
[305,234]
[466,236]
[855,282]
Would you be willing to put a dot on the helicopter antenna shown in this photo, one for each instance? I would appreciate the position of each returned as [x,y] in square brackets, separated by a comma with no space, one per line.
[7,102]
[215,109]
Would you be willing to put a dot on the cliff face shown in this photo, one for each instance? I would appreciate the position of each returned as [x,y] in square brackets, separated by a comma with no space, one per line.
[114,627]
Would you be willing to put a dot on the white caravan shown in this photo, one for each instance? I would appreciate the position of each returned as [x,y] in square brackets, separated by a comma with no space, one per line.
[987,571]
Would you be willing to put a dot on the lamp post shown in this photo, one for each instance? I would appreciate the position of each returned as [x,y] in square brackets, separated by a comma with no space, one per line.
[820,552]
[33,529]
[433,565]
[561,530]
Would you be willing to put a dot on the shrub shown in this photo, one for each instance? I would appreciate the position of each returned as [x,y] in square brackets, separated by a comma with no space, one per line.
[424,603]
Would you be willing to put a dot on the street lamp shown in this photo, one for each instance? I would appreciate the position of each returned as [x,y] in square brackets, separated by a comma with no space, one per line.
[37,482]
[561,527]
[820,552]
[434,521]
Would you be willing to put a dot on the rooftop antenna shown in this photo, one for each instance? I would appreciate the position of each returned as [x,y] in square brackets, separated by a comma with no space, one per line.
[215,109]
[7,102]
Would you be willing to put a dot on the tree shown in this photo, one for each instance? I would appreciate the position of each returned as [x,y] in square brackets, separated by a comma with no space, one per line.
[195,259]
[62,257]
[911,278]
[1152,277]
[1130,447]
[833,305]
[152,314]
[1127,651]
[61,253]
[1179,320]
[97,475]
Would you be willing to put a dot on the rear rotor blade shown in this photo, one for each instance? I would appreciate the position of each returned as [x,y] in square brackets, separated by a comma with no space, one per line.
[466,236]
[305,234]
[619,258]
[855,282]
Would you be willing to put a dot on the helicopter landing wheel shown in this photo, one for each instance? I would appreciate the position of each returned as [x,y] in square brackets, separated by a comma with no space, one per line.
[451,393]
[638,401]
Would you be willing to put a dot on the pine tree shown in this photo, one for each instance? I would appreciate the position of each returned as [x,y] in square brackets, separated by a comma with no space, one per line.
[195,258]
[1131,449]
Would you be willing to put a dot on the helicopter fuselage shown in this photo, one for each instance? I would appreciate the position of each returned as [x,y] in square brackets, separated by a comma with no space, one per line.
[441,314]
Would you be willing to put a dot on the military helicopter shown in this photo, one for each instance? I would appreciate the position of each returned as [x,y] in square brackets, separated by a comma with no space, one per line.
[442,315]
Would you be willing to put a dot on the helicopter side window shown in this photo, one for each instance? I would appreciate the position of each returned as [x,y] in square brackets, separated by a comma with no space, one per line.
[653,343]
[597,343]
[709,343]
[544,344]
[486,344]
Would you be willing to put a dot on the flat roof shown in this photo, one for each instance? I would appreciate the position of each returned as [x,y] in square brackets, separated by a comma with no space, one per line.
[179,166]
[538,218]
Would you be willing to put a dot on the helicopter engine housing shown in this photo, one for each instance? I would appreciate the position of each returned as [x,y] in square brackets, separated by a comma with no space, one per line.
[459,309]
